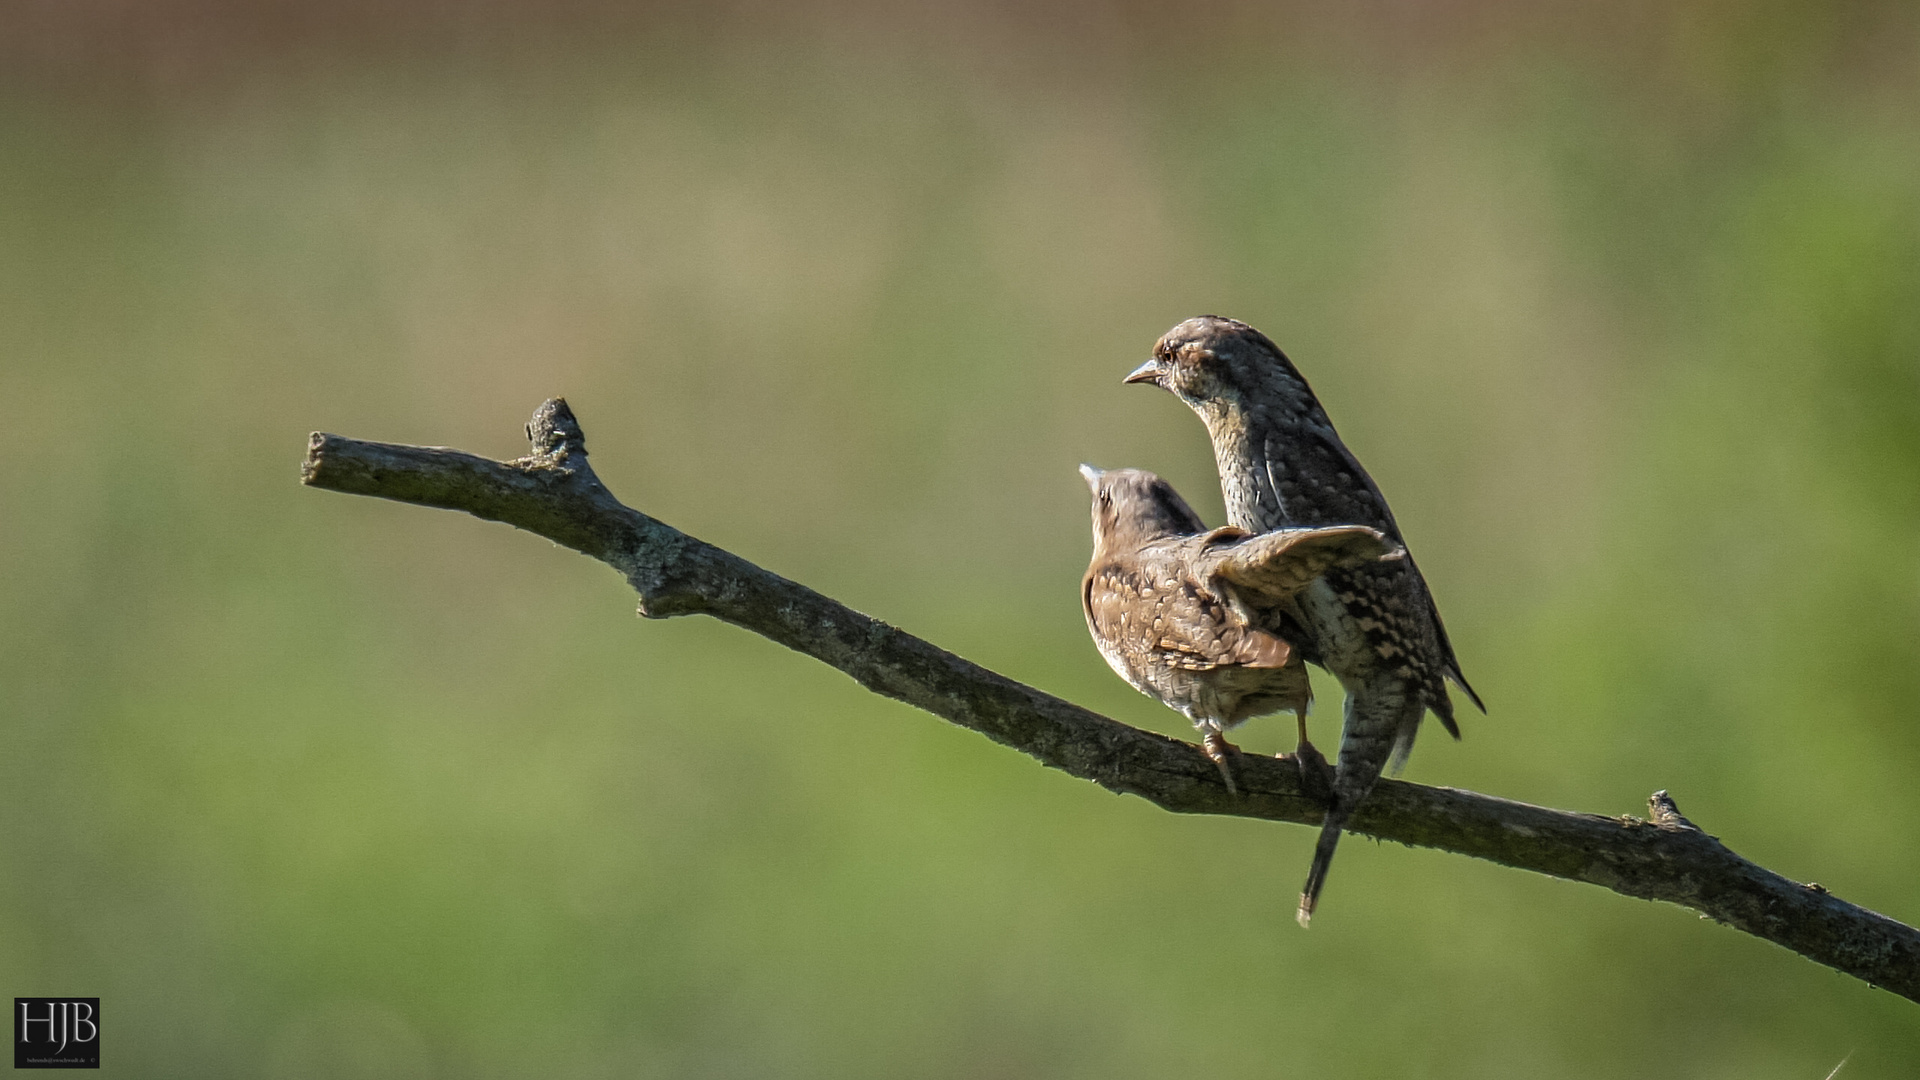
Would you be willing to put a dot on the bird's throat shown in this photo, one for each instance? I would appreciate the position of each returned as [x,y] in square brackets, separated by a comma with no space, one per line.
[1252,501]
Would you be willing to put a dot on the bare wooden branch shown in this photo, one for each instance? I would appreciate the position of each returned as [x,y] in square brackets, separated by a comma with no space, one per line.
[553,492]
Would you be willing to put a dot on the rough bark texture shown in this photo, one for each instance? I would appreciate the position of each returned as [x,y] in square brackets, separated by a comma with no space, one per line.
[553,492]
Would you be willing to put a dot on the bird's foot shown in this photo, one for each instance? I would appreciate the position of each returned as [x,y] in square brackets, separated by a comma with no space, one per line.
[1216,746]
[1316,773]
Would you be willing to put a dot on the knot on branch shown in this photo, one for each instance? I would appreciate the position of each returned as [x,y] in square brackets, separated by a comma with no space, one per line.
[1666,813]
[553,431]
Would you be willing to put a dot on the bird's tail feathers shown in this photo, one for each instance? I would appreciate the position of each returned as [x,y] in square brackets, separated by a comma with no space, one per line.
[1403,746]
[1322,862]
[1460,681]
[1442,706]
[1378,727]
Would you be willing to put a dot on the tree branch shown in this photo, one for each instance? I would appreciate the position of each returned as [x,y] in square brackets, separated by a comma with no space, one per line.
[553,492]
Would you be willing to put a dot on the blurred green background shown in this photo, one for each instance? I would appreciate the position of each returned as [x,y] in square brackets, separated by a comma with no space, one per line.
[1620,304]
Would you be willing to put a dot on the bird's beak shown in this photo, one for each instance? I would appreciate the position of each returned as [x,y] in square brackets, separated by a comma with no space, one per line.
[1092,474]
[1147,372]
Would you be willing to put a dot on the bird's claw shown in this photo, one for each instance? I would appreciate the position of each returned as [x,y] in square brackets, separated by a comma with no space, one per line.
[1316,773]
[1217,748]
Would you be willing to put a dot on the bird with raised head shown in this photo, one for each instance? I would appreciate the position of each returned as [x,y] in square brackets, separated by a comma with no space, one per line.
[1282,466]
[1179,611]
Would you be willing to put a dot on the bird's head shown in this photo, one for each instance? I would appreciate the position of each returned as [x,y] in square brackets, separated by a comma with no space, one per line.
[1133,506]
[1209,359]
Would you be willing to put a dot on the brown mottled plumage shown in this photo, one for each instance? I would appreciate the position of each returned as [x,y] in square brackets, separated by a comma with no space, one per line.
[1283,466]
[1179,612]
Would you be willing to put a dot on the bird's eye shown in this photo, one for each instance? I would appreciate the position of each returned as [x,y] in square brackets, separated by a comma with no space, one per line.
[1106,499]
